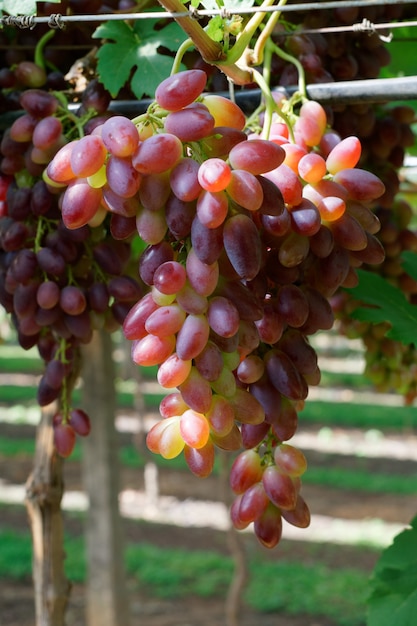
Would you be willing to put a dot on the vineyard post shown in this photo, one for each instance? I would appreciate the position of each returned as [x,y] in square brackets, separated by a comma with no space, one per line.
[44,490]
[107,603]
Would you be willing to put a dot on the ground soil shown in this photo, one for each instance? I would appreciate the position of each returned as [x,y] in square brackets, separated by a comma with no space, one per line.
[16,599]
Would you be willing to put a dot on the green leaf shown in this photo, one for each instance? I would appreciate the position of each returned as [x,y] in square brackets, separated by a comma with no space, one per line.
[19,7]
[134,54]
[409,263]
[393,598]
[386,303]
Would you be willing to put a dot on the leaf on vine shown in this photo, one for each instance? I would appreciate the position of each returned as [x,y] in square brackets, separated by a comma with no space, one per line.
[19,7]
[393,598]
[133,54]
[215,28]
[409,263]
[386,303]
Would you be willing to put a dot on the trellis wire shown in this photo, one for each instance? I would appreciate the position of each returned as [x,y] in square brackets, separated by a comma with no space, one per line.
[56,20]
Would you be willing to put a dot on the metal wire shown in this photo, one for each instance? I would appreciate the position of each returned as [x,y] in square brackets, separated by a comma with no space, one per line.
[57,20]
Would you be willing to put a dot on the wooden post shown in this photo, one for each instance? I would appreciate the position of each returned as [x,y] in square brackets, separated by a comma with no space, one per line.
[107,603]
[44,490]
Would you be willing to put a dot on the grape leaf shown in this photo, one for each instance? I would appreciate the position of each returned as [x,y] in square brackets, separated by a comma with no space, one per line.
[409,263]
[132,55]
[393,597]
[20,7]
[386,303]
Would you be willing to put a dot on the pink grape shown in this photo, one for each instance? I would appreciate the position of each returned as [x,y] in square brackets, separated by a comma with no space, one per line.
[80,203]
[173,371]
[270,326]
[284,375]
[293,154]
[345,154]
[195,429]
[207,242]
[306,218]
[202,277]
[157,154]
[268,527]
[223,317]
[231,441]
[120,136]
[181,89]
[299,516]
[212,208]
[242,245]
[288,183]
[209,362]
[279,488]
[170,277]
[312,167]
[165,320]
[191,301]
[246,470]
[214,174]
[225,112]
[151,225]
[64,438]
[154,191]
[222,140]
[192,123]
[87,155]
[290,460]
[253,503]
[200,460]
[172,404]
[247,408]
[360,184]
[192,336]
[122,177]
[245,189]
[135,321]
[196,392]
[250,369]
[221,416]
[80,422]
[165,439]
[47,133]
[257,156]
[59,170]
[184,179]
[152,350]
[126,207]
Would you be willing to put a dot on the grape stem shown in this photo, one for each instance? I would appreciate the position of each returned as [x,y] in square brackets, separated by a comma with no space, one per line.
[186,45]
[244,38]
[259,47]
[288,57]
[211,51]
[39,58]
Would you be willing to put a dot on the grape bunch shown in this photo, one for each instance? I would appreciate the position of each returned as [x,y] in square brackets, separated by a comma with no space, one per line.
[57,284]
[247,239]
[389,364]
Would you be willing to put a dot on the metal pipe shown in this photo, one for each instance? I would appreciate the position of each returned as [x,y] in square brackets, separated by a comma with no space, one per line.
[374,90]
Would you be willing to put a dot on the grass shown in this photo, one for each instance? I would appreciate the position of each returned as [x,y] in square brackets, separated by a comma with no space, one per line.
[290,587]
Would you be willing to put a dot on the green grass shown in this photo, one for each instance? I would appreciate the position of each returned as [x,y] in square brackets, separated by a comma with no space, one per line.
[356,415]
[289,587]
